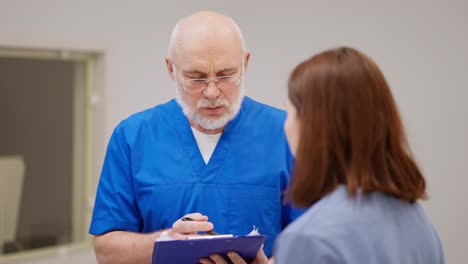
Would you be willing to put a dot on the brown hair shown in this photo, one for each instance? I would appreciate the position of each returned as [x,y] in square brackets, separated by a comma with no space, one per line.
[350,131]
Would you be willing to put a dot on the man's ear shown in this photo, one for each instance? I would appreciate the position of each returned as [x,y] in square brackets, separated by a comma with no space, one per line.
[246,60]
[170,67]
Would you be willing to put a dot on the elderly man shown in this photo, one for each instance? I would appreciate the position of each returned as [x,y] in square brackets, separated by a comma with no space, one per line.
[211,154]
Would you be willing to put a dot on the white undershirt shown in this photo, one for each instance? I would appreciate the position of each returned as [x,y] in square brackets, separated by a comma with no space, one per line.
[206,143]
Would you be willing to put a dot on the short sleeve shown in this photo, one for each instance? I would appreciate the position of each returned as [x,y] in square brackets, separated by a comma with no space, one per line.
[300,248]
[115,207]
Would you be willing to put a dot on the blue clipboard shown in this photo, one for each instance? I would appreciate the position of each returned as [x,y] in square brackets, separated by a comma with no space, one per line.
[191,251]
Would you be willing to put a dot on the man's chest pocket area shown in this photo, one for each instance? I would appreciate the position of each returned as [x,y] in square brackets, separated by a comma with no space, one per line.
[250,205]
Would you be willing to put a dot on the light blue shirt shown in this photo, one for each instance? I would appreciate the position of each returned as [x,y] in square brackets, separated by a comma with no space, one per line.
[154,174]
[374,228]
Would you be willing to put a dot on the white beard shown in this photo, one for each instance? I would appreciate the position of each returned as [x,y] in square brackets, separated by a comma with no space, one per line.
[192,114]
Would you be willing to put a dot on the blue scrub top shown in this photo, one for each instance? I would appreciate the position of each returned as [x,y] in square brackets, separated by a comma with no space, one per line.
[154,174]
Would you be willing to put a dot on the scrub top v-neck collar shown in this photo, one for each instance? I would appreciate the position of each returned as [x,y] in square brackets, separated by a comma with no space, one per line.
[182,127]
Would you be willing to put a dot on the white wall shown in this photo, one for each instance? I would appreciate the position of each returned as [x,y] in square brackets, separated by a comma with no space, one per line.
[421,46]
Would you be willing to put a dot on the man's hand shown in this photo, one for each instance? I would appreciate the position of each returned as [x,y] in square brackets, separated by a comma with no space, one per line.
[235,258]
[182,229]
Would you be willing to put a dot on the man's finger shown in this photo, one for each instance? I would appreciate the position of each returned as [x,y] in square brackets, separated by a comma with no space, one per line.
[261,258]
[197,217]
[188,227]
[236,258]
[218,259]
[206,261]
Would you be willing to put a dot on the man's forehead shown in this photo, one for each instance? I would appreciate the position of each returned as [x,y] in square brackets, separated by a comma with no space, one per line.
[209,63]
[204,50]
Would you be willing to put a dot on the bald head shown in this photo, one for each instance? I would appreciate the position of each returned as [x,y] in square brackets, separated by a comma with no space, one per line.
[205,31]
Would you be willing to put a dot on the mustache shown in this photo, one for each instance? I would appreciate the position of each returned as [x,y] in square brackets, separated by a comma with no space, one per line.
[204,103]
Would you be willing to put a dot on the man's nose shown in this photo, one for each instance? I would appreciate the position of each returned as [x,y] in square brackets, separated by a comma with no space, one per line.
[211,91]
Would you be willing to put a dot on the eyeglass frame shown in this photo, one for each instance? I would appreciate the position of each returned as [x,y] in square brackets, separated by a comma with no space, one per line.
[207,80]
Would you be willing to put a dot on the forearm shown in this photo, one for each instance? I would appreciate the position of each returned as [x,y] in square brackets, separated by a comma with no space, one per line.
[124,247]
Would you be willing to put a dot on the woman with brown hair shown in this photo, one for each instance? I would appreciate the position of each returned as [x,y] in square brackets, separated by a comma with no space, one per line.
[353,167]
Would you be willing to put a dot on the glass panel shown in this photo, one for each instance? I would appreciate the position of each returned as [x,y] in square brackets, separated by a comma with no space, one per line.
[38,139]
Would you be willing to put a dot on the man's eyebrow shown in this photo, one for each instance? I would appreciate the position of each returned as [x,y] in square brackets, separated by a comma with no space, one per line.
[228,69]
[195,71]
[192,71]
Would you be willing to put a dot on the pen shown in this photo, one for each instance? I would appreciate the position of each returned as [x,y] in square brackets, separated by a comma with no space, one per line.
[211,232]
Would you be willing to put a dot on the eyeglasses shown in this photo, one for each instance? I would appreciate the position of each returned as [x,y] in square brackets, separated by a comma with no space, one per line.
[221,82]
